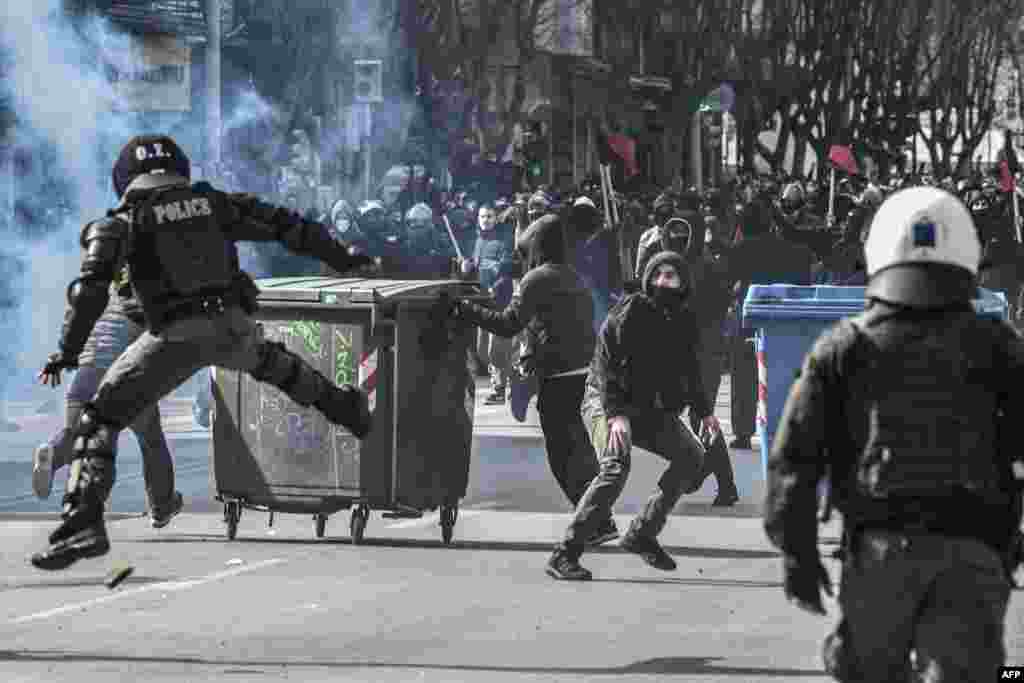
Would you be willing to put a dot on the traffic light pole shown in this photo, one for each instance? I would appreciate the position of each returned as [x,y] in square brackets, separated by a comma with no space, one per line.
[368,117]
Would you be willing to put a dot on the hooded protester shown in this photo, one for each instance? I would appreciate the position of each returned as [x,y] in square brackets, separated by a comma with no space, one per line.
[664,210]
[554,306]
[762,256]
[676,234]
[845,264]
[710,302]
[911,409]
[595,250]
[643,374]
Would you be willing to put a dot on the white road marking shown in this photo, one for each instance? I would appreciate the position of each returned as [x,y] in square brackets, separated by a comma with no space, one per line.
[429,519]
[165,586]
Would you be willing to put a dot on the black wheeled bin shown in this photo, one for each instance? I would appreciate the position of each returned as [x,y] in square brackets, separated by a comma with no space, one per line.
[271,454]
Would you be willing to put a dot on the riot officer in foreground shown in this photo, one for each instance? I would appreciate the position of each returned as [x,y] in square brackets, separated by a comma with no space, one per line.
[178,240]
[905,407]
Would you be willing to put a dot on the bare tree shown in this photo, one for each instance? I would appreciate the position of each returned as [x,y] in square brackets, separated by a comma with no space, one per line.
[455,40]
[970,42]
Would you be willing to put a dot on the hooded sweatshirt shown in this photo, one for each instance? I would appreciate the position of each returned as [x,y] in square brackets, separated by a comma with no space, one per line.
[646,354]
[553,304]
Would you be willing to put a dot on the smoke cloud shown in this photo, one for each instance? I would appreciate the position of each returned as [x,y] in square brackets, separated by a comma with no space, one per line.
[66,127]
[53,177]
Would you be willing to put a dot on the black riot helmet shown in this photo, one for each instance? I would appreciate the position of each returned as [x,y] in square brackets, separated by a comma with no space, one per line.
[148,154]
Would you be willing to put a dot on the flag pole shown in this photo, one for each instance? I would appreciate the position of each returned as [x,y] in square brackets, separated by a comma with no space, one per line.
[604,196]
[832,198]
[1016,213]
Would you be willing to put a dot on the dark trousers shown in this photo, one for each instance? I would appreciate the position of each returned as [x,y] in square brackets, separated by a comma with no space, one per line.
[660,432]
[743,378]
[717,460]
[944,598]
[570,454]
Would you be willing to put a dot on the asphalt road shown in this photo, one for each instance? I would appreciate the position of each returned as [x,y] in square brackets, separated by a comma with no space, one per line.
[278,604]
[508,467]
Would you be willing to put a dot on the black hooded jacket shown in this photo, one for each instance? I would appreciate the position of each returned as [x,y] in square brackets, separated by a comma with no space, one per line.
[553,304]
[647,353]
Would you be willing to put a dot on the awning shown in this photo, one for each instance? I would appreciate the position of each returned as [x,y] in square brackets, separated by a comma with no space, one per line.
[184,18]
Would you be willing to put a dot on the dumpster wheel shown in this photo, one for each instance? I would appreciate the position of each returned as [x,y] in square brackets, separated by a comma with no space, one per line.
[321,524]
[232,513]
[448,516]
[357,525]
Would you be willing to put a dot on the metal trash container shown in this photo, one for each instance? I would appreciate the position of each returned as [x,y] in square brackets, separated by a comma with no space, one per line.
[789,319]
[271,454]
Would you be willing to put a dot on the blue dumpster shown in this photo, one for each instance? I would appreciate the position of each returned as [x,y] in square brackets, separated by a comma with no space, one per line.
[788,320]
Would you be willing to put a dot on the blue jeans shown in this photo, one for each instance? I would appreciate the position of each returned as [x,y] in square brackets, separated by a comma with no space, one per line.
[602,304]
[157,466]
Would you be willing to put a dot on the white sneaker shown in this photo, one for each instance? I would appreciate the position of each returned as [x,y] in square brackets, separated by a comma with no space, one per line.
[42,471]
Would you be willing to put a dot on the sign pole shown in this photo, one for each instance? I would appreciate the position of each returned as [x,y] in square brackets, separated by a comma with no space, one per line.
[367,127]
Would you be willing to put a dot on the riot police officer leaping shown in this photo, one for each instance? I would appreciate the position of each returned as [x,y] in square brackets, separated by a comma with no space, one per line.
[906,407]
[178,240]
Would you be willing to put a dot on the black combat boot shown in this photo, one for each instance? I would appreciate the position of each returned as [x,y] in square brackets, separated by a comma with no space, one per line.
[647,547]
[565,565]
[82,534]
[346,406]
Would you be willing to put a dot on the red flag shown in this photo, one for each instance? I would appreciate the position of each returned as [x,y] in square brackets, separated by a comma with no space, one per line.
[842,157]
[625,148]
[1006,183]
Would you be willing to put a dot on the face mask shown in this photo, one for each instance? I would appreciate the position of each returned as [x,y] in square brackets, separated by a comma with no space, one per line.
[669,297]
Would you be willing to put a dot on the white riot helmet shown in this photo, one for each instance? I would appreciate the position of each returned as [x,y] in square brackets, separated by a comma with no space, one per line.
[922,250]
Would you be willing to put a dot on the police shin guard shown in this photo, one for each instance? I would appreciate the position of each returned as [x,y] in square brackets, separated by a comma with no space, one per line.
[345,405]
[82,534]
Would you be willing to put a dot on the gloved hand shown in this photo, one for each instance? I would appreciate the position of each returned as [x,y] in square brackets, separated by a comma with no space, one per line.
[805,578]
[55,364]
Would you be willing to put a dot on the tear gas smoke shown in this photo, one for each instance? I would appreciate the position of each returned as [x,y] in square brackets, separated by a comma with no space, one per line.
[64,125]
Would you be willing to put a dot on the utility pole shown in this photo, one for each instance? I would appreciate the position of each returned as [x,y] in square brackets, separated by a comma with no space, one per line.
[213,78]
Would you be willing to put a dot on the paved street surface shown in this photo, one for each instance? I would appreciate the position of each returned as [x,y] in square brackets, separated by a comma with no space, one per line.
[278,604]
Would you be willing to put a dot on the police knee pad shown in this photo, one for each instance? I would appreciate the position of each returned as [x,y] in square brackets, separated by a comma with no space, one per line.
[278,366]
[94,436]
[92,466]
[614,467]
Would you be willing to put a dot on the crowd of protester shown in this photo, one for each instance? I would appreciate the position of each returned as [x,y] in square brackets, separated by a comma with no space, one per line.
[751,229]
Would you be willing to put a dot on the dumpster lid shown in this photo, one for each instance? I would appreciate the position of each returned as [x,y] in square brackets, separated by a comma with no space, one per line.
[358,290]
[827,302]
[797,294]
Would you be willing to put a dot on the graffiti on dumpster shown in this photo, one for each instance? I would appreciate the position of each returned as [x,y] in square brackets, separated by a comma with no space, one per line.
[344,358]
[299,430]
[308,332]
[281,422]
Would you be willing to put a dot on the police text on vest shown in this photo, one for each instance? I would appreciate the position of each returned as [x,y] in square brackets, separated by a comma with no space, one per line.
[182,209]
